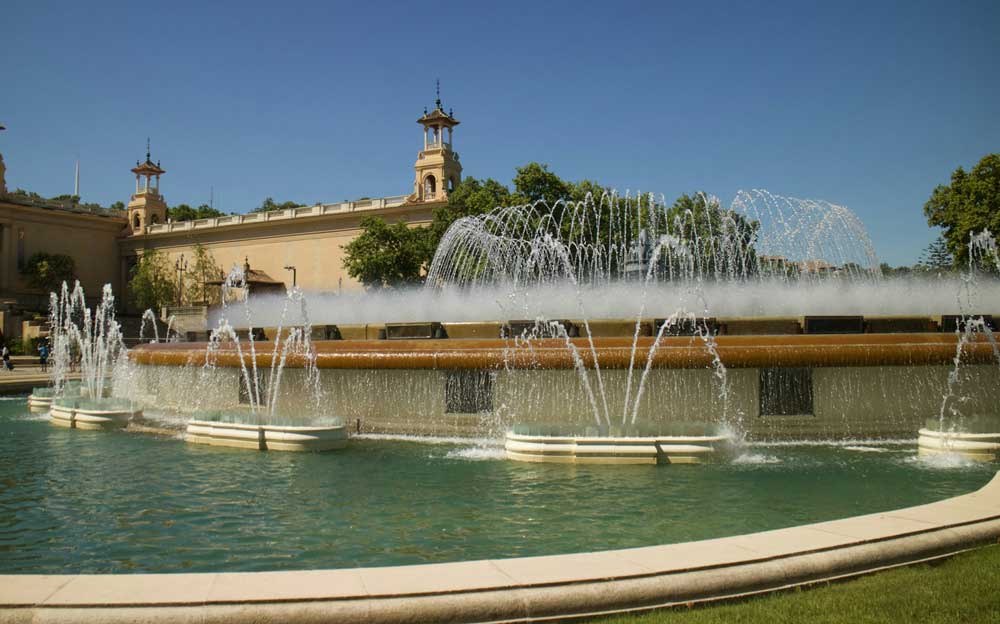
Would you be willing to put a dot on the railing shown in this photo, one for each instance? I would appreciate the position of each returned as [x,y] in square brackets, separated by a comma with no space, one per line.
[279,215]
[94,209]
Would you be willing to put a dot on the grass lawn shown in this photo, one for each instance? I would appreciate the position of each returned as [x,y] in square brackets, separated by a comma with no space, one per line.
[965,588]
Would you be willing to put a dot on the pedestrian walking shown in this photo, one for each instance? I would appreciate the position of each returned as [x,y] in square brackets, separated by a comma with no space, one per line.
[6,359]
[43,357]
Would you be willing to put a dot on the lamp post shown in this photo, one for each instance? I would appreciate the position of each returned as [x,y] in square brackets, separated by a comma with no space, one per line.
[294,274]
[181,264]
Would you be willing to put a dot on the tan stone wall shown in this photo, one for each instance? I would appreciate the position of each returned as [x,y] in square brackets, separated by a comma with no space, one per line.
[313,246]
[92,242]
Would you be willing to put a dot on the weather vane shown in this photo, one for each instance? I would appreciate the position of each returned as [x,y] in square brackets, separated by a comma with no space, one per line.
[437,89]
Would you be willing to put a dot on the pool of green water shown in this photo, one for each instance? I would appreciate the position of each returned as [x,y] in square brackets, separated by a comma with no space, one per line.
[91,502]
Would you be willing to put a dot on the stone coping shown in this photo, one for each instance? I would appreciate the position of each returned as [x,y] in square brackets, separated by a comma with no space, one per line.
[808,350]
[522,589]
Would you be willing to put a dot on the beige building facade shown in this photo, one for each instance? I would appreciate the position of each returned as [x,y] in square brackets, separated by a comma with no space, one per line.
[105,245]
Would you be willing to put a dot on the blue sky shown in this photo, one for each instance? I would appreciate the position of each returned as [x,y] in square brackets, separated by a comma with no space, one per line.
[868,105]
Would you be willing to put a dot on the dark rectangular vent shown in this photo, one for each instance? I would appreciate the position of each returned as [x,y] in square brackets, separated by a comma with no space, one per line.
[951,322]
[262,377]
[834,325]
[786,392]
[538,329]
[468,391]
[326,332]
[899,325]
[414,331]
[687,327]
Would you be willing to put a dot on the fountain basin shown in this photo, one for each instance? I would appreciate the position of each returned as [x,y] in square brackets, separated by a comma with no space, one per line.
[976,446]
[92,414]
[602,449]
[40,400]
[266,437]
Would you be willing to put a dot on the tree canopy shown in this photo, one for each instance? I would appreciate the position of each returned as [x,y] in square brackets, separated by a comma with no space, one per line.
[48,271]
[204,269]
[387,256]
[969,205]
[269,204]
[151,284]
[183,212]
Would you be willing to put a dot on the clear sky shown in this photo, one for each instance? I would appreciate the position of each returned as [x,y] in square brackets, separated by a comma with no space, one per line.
[869,105]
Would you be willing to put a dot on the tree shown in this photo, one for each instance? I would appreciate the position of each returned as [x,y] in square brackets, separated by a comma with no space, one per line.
[204,270]
[183,212]
[48,271]
[269,204]
[969,205]
[721,241]
[387,256]
[118,205]
[936,257]
[151,284]
[470,198]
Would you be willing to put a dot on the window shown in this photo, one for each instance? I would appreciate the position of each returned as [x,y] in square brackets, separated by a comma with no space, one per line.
[786,392]
[154,220]
[21,260]
[430,186]
[136,221]
[468,391]
[261,387]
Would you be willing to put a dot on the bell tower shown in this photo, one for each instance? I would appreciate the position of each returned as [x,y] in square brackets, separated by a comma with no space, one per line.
[438,171]
[146,207]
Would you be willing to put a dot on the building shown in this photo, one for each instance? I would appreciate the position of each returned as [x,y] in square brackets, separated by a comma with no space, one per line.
[106,244]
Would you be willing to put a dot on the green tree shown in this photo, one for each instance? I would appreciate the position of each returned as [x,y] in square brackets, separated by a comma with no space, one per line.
[970,204]
[118,205]
[152,284]
[471,197]
[936,257]
[387,256]
[184,212]
[73,199]
[269,204]
[48,271]
[203,270]
[721,241]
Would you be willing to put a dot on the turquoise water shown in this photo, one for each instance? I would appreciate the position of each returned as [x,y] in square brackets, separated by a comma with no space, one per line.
[92,502]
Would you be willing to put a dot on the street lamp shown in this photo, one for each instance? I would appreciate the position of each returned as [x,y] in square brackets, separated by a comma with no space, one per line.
[294,274]
[182,266]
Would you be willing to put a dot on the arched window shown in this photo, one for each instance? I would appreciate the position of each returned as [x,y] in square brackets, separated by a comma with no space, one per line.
[451,184]
[137,222]
[430,186]
[154,220]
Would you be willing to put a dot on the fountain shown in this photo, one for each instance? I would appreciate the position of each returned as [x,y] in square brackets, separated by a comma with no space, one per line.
[259,425]
[91,341]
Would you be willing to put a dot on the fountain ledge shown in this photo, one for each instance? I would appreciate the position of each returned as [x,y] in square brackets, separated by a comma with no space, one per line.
[614,450]
[524,589]
[266,437]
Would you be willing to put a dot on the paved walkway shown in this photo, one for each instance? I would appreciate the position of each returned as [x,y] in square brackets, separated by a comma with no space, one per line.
[24,377]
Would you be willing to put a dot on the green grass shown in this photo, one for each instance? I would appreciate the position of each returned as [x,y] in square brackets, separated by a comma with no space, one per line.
[965,588]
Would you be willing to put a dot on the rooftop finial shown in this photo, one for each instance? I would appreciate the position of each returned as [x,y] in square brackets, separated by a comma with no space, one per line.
[147,149]
[437,89]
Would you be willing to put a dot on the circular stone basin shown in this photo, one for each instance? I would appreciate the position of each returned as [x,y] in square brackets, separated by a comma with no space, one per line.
[92,414]
[689,444]
[40,400]
[266,437]
[978,446]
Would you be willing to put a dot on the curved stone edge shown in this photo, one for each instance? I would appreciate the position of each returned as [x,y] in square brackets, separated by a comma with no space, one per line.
[613,450]
[523,589]
[977,446]
[266,437]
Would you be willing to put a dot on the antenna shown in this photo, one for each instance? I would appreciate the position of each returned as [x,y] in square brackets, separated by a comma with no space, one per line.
[147,149]
[211,197]
[437,89]
[76,180]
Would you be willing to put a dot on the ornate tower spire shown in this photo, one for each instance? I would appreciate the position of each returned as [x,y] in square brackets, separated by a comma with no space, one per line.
[146,207]
[437,168]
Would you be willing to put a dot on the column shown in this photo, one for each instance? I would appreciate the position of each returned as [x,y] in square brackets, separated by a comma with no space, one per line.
[137,183]
[425,138]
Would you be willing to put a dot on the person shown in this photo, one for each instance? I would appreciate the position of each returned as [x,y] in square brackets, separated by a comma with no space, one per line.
[43,357]
[6,359]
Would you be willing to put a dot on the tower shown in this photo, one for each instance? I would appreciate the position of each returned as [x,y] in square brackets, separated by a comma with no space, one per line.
[146,207]
[438,171]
